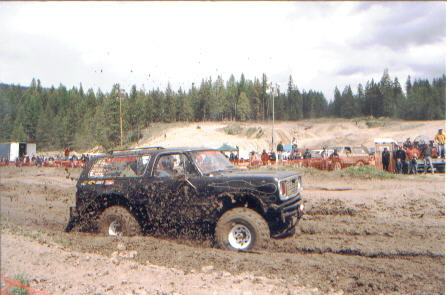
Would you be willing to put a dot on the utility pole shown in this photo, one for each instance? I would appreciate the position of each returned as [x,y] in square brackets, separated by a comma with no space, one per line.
[273,118]
[273,90]
[120,94]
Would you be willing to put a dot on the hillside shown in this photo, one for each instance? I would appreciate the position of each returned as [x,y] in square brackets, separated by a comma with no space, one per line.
[257,136]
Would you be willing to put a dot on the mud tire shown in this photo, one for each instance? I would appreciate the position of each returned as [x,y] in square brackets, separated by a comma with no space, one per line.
[243,222]
[117,221]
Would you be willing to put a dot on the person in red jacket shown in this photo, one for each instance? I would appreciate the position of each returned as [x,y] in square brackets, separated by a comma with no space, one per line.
[412,155]
[67,153]
[264,157]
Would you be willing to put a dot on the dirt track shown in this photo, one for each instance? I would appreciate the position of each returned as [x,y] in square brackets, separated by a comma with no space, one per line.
[372,236]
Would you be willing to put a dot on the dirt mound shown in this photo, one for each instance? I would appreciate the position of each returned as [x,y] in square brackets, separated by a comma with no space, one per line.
[309,134]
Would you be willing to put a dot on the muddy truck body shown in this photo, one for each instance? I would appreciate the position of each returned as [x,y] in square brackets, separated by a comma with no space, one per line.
[134,191]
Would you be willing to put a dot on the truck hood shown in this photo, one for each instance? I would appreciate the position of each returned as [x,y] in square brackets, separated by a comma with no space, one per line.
[254,174]
[264,182]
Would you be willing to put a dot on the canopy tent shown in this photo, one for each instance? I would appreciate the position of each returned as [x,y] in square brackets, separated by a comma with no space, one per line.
[287,148]
[227,148]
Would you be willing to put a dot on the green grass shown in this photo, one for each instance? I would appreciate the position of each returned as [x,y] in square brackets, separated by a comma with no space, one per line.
[22,278]
[366,172]
[363,172]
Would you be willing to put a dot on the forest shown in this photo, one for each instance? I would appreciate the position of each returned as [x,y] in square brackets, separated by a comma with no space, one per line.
[55,118]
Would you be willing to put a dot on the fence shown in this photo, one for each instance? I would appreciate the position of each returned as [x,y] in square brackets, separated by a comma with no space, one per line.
[13,283]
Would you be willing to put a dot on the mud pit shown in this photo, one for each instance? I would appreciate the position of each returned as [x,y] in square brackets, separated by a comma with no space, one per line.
[373,236]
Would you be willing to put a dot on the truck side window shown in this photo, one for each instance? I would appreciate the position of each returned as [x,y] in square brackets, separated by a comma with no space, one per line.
[165,166]
[122,166]
[174,165]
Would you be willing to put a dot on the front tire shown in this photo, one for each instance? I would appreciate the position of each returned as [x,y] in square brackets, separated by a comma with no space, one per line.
[242,229]
[117,221]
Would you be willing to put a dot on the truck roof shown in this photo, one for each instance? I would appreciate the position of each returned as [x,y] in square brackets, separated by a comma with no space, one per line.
[153,150]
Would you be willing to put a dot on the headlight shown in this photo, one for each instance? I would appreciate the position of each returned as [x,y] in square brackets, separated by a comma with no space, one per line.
[283,188]
[289,187]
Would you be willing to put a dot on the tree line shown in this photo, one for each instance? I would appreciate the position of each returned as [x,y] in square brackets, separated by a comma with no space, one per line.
[61,117]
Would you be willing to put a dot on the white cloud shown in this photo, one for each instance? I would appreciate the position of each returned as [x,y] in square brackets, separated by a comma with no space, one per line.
[322,45]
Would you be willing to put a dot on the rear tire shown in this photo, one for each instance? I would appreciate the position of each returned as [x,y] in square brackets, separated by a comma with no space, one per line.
[242,229]
[117,221]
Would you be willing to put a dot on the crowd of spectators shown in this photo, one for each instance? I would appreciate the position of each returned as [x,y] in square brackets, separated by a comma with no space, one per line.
[407,154]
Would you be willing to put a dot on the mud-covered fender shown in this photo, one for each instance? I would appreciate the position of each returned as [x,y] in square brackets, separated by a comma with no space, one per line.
[229,200]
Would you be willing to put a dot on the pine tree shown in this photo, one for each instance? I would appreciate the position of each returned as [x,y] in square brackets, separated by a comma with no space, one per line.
[243,107]
[388,107]
[255,100]
[361,100]
[398,99]
[169,105]
[18,133]
[231,98]
[294,102]
[337,103]
[348,108]
[408,85]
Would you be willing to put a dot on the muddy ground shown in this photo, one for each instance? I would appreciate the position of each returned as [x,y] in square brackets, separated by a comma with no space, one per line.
[359,236]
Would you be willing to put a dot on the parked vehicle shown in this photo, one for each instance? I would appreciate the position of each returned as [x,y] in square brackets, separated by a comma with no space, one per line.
[350,156]
[130,192]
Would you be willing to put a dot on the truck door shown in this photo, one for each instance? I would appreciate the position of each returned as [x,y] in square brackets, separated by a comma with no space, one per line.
[175,189]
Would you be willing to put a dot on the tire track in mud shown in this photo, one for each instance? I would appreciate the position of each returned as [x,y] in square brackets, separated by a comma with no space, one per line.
[361,246]
[333,226]
[353,252]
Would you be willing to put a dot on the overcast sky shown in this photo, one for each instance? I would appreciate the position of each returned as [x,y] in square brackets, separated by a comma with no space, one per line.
[321,45]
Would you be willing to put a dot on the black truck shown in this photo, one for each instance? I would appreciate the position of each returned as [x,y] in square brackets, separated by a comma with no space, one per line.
[128,192]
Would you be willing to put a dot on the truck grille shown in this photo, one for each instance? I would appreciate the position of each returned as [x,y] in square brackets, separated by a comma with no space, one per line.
[290,186]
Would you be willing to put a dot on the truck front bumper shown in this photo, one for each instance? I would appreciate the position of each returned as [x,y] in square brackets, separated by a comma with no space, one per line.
[290,212]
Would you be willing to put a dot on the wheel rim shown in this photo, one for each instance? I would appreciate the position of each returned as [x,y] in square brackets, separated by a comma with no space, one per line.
[239,237]
[115,228]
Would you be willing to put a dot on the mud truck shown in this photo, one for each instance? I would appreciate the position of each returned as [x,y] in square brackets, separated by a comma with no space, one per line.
[131,192]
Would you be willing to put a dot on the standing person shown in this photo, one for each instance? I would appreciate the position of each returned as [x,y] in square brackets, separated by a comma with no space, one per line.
[280,150]
[407,143]
[294,145]
[264,157]
[325,156]
[412,166]
[294,153]
[307,154]
[427,152]
[440,140]
[400,156]
[412,156]
[386,159]
[67,153]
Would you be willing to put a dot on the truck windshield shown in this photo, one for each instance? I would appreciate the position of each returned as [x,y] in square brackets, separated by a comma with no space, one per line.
[211,161]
